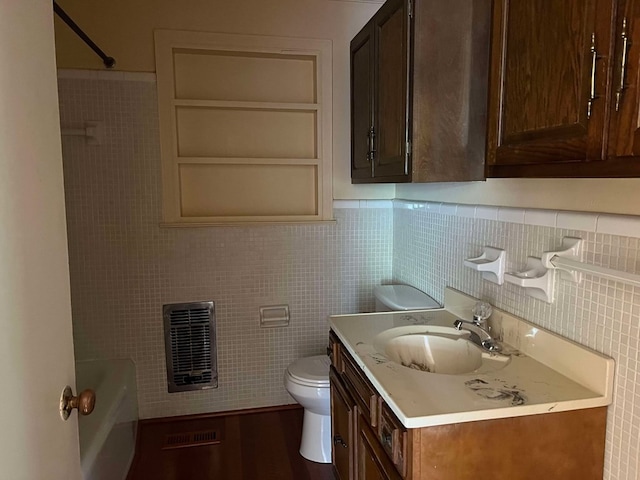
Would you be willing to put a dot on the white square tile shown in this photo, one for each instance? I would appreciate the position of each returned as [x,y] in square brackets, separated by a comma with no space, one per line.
[467,211]
[71,74]
[376,204]
[543,218]
[511,215]
[624,225]
[487,212]
[114,75]
[397,203]
[346,204]
[577,221]
[139,77]
[448,209]
[433,207]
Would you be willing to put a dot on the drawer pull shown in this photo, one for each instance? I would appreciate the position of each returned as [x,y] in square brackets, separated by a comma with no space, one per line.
[337,440]
[623,63]
[592,90]
[387,441]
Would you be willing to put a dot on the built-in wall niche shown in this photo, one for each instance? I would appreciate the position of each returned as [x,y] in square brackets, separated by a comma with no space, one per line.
[245,127]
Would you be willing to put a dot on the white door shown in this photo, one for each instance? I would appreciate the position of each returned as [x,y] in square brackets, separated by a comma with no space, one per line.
[36,350]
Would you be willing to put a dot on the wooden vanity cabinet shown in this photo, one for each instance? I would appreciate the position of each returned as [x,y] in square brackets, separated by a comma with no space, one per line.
[342,429]
[563,94]
[419,79]
[372,444]
[372,461]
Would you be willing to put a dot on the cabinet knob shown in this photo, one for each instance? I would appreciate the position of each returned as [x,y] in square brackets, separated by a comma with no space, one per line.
[337,440]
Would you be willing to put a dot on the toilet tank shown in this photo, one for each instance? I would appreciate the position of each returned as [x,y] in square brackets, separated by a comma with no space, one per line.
[402,297]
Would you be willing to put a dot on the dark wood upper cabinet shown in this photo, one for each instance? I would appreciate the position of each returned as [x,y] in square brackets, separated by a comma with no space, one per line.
[563,98]
[362,60]
[419,76]
[624,127]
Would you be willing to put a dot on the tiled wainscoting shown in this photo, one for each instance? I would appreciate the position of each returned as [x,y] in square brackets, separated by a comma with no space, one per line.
[124,266]
[432,240]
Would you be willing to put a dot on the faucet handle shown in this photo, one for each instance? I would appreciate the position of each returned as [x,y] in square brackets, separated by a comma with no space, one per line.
[481,311]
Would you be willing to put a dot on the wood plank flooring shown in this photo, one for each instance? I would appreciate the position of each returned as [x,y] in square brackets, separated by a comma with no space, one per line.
[244,446]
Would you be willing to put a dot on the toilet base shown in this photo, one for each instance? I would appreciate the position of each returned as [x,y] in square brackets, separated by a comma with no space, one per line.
[316,437]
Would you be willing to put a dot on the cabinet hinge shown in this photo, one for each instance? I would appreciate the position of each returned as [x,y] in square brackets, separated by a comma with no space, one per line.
[372,150]
[410,8]
[407,157]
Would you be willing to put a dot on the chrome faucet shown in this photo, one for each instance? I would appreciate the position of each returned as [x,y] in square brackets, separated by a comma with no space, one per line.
[478,327]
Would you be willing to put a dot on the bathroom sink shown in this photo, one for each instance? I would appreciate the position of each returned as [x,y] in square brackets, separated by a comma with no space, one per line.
[435,349]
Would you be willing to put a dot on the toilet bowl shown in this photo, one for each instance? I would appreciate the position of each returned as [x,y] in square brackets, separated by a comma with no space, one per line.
[307,381]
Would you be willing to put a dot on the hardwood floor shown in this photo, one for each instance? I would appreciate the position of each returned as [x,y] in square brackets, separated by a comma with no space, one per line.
[238,446]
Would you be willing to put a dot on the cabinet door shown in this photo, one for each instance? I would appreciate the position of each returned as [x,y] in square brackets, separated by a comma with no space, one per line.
[549,85]
[342,425]
[390,92]
[624,133]
[362,59]
[372,461]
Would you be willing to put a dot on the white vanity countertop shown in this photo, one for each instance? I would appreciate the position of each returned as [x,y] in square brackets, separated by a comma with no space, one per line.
[547,373]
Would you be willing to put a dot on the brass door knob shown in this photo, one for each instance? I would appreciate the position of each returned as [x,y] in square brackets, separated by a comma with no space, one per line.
[85,402]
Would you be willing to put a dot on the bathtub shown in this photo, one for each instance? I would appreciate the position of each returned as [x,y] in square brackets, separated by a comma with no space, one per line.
[108,435]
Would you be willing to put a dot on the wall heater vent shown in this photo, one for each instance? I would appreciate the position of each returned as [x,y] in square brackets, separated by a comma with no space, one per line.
[190,346]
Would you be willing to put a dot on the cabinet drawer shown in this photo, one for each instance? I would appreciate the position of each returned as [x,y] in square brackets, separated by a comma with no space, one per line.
[342,421]
[393,437]
[363,391]
[371,460]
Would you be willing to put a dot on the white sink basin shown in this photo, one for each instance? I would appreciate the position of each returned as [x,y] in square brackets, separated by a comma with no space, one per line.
[435,349]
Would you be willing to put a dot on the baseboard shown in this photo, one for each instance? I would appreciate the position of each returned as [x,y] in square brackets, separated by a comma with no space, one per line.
[204,416]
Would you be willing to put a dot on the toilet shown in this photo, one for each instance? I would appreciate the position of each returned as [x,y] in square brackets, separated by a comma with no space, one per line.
[307,379]
[391,298]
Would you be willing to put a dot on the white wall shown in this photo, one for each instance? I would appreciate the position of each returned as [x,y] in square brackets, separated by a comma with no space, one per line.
[36,353]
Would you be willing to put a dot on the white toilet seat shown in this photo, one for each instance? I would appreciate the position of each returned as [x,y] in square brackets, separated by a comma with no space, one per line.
[310,371]
[306,383]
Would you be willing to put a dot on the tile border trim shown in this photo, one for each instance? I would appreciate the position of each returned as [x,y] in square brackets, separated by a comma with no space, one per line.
[363,204]
[604,223]
[111,75]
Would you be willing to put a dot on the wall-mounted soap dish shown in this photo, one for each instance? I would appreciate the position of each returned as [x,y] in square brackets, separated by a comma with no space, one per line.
[536,279]
[491,264]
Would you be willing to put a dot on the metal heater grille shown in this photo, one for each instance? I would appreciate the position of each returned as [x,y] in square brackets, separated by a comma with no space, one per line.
[190,344]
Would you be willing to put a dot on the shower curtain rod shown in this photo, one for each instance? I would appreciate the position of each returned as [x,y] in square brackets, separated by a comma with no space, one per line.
[109,62]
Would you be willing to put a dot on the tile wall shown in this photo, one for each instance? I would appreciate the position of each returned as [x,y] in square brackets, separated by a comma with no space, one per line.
[124,267]
[432,240]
